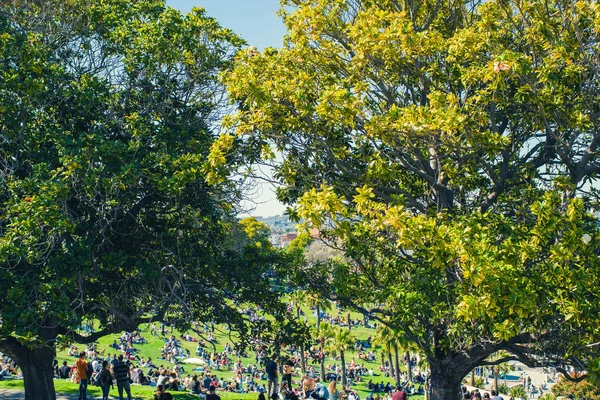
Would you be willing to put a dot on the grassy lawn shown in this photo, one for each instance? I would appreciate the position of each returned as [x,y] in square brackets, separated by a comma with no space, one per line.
[154,344]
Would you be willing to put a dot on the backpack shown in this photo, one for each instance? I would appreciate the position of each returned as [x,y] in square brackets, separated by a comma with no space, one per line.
[323,393]
[90,372]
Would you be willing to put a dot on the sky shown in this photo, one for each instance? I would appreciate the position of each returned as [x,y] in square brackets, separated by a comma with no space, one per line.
[254,20]
[257,22]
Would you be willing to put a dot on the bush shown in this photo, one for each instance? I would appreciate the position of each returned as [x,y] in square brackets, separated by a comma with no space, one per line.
[547,396]
[518,392]
[479,383]
[503,389]
[579,390]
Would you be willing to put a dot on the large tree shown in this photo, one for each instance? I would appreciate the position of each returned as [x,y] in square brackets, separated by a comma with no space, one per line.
[450,149]
[108,111]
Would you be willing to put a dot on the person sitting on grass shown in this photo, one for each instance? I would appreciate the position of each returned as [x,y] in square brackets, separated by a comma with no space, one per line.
[161,394]
[65,371]
[212,395]
[173,382]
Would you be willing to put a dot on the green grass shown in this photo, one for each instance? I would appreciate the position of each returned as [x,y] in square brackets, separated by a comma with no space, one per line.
[154,344]
[138,392]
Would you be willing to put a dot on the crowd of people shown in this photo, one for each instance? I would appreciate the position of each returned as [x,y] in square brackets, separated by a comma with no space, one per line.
[122,364]
[9,368]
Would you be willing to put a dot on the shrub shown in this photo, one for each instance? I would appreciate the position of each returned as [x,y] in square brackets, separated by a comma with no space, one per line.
[518,392]
[579,390]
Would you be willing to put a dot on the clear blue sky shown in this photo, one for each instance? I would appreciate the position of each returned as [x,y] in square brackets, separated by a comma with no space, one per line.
[254,20]
[257,22]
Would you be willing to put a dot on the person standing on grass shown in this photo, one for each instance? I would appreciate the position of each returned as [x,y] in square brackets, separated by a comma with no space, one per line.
[121,373]
[287,374]
[105,380]
[82,368]
[272,376]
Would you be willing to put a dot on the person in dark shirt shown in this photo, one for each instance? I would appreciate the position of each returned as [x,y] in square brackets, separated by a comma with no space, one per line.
[64,372]
[212,395]
[207,383]
[121,374]
[161,394]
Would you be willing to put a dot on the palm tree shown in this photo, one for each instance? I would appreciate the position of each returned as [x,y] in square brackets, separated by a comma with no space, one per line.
[384,337]
[407,347]
[498,368]
[314,300]
[321,304]
[322,334]
[339,341]
[298,298]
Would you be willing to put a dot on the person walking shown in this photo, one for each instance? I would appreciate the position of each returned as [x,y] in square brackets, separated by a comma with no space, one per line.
[105,380]
[82,370]
[122,375]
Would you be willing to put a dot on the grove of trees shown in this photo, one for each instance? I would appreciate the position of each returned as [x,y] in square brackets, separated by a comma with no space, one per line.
[447,151]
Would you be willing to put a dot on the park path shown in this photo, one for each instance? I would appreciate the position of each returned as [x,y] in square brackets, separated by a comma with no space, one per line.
[20,395]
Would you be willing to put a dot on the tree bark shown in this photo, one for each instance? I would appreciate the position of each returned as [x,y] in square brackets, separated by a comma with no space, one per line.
[318,317]
[321,344]
[322,367]
[496,373]
[36,365]
[343,360]
[408,367]
[349,323]
[445,381]
[472,381]
[391,365]
[302,357]
[396,364]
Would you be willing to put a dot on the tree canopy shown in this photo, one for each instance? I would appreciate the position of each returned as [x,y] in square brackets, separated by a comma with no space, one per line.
[450,149]
[108,111]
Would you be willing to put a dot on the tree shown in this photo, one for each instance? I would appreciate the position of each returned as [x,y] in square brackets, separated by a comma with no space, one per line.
[339,341]
[321,304]
[107,111]
[450,149]
[384,337]
[499,368]
[298,298]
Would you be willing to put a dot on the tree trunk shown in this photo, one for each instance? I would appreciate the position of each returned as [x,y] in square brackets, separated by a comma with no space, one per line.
[496,373]
[391,365]
[321,344]
[36,365]
[318,318]
[445,381]
[302,357]
[396,364]
[322,367]
[344,379]
[408,367]
[349,323]
[472,381]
